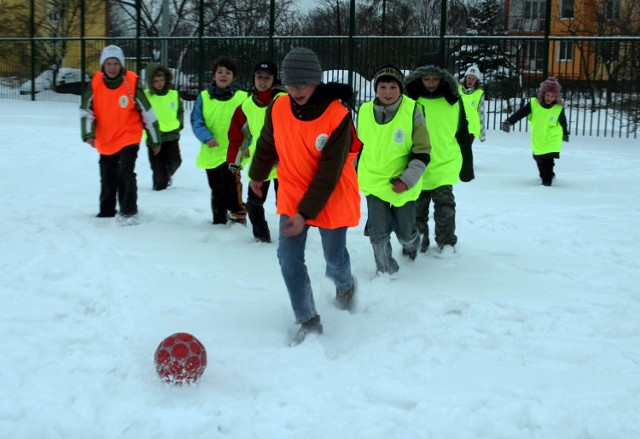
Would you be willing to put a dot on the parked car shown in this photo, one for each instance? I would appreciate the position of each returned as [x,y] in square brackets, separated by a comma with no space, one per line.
[190,89]
[362,87]
[68,81]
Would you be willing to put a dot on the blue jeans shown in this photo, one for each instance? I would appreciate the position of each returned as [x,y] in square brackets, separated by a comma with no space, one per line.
[291,251]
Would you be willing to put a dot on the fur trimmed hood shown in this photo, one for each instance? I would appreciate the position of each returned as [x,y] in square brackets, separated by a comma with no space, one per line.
[153,70]
[448,86]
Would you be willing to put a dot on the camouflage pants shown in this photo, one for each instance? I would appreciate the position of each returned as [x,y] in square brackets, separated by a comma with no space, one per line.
[444,215]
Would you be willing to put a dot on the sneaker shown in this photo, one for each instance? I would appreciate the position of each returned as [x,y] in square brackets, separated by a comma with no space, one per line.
[446,251]
[129,219]
[411,254]
[238,217]
[344,299]
[311,326]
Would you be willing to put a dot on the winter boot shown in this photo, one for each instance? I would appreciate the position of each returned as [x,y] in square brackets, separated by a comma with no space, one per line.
[344,299]
[425,244]
[411,254]
[312,325]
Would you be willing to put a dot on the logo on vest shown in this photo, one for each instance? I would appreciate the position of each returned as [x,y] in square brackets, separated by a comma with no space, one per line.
[399,136]
[321,140]
[123,101]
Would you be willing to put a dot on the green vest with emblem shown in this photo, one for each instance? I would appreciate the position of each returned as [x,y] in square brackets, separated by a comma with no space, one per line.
[546,131]
[166,109]
[471,102]
[443,120]
[217,116]
[386,152]
[255,119]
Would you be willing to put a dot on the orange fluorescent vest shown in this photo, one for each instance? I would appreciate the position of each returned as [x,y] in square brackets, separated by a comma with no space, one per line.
[299,145]
[118,123]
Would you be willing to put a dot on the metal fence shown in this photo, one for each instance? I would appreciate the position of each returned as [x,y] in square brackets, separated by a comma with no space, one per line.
[600,76]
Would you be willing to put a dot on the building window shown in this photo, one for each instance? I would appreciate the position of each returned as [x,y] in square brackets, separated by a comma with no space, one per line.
[612,9]
[566,51]
[54,17]
[534,11]
[566,9]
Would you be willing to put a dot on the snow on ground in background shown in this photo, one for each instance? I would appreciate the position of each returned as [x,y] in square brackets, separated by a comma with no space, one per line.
[531,330]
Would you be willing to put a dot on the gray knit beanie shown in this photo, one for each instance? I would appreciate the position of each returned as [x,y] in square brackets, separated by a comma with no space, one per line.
[301,66]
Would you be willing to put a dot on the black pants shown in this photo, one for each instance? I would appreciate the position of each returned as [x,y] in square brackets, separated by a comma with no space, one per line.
[255,209]
[224,193]
[118,178]
[545,165]
[164,164]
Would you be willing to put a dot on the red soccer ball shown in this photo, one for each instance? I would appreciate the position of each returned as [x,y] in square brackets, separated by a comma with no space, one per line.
[180,359]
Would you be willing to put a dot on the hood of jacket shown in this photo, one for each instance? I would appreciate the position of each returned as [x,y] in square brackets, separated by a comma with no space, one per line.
[448,88]
[152,70]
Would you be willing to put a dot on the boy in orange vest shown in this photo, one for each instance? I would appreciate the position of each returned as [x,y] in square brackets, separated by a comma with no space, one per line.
[309,133]
[112,113]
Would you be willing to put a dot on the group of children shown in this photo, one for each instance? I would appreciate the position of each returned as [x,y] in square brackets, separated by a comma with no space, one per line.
[417,135]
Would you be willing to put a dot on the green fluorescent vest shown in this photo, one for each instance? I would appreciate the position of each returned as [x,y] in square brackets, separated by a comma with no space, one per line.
[255,119]
[166,109]
[386,151]
[443,121]
[546,131]
[471,102]
[217,115]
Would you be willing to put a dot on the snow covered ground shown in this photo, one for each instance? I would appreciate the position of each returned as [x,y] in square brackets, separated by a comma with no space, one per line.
[532,330]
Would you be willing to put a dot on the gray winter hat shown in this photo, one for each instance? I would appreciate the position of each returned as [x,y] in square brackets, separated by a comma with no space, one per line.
[301,66]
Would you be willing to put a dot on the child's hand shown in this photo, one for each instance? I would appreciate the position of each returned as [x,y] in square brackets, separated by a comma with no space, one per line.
[565,138]
[212,143]
[506,127]
[156,150]
[256,187]
[293,226]
[91,141]
[399,186]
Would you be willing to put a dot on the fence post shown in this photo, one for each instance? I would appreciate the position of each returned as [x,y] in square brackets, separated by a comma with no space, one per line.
[32,32]
[272,29]
[83,48]
[443,28]
[352,31]
[547,32]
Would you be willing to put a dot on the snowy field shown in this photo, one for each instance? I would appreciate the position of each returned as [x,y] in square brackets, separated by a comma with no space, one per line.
[531,330]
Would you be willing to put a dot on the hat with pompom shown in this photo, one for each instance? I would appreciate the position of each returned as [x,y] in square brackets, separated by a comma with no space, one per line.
[475,71]
[550,85]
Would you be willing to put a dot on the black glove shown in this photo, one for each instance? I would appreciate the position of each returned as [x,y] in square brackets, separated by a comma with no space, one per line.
[466,172]
[506,127]
[565,138]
